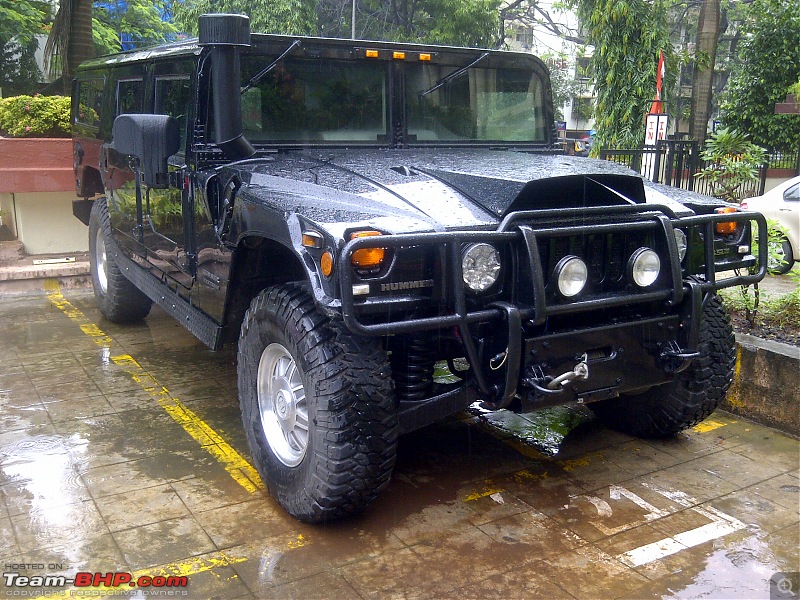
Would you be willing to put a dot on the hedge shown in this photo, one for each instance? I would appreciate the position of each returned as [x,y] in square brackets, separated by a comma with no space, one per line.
[35,116]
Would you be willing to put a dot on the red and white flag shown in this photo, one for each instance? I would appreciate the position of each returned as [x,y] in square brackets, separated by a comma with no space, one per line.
[657,107]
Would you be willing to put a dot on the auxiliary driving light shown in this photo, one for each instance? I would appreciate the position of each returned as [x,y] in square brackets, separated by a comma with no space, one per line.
[680,241]
[571,273]
[644,267]
[480,266]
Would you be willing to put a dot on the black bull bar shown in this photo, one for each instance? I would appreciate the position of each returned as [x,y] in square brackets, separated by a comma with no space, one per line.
[521,227]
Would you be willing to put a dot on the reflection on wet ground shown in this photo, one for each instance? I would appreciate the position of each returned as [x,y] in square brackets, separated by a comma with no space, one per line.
[121,450]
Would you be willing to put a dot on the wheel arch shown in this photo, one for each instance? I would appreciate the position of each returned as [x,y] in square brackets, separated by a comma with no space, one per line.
[258,262]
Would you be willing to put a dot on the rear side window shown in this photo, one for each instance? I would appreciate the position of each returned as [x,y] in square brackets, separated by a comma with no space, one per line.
[90,101]
[173,97]
[129,96]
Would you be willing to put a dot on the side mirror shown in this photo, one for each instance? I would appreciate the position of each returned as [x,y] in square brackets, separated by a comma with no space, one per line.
[150,138]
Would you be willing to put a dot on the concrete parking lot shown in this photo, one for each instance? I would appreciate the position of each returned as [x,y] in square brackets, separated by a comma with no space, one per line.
[122,452]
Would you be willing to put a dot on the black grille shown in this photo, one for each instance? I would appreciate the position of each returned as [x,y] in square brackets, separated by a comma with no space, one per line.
[606,256]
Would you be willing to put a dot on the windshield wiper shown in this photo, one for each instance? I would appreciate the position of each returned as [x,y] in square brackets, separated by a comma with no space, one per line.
[257,77]
[454,74]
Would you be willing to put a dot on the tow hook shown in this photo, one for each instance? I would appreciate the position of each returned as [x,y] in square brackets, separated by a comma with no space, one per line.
[579,371]
[551,386]
[675,359]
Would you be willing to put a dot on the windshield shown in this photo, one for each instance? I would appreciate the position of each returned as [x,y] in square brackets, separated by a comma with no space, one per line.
[304,101]
[445,103]
[339,101]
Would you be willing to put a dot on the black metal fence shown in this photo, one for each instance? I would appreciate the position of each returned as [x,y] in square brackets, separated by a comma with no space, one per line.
[676,162]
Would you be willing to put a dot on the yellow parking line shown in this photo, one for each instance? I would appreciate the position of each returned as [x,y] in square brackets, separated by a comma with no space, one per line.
[213,443]
[707,425]
[192,566]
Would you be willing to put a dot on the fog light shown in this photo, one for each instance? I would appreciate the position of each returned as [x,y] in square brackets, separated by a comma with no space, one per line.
[571,273]
[680,241]
[480,266]
[644,267]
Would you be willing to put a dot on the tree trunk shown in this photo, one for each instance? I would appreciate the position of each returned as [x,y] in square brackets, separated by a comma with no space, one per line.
[79,47]
[702,82]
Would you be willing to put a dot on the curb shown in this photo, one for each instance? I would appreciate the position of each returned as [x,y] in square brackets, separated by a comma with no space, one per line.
[765,383]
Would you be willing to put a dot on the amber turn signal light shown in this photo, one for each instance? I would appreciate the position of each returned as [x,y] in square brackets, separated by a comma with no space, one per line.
[725,227]
[326,263]
[367,258]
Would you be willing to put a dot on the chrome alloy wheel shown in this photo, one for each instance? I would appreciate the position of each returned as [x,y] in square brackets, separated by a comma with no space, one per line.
[282,405]
[101,261]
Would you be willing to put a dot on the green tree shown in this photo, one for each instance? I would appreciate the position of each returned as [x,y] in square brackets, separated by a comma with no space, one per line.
[708,28]
[271,16]
[139,22]
[70,38]
[458,22]
[627,36]
[20,22]
[770,63]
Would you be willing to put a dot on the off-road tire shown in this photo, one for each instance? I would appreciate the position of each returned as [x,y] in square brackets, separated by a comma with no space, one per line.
[117,298]
[688,399]
[781,268]
[351,416]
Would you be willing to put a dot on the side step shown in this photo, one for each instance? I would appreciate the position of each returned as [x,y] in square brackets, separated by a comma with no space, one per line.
[197,322]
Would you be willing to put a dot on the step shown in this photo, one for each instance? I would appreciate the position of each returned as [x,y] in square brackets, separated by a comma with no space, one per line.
[29,273]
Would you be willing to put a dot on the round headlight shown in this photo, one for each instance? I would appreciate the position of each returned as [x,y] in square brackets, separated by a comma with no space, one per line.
[680,241]
[571,274]
[480,265]
[644,267]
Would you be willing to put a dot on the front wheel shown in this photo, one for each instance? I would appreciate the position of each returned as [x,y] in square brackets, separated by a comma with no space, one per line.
[317,405]
[688,399]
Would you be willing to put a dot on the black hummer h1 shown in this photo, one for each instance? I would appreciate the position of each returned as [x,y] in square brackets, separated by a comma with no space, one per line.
[360,214]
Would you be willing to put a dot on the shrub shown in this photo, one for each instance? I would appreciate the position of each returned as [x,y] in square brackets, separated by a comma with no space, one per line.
[733,162]
[35,116]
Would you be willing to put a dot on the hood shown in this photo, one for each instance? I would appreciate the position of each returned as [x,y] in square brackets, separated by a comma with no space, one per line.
[436,189]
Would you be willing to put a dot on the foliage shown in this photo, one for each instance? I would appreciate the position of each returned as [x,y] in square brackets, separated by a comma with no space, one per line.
[770,56]
[627,36]
[458,22]
[35,116]
[734,162]
[271,16]
[783,311]
[20,22]
[561,80]
[779,312]
[138,22]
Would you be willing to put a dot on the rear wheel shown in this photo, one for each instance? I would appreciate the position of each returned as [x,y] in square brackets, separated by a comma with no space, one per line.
[782,260]
[688,399]
[317,405]
[117,298]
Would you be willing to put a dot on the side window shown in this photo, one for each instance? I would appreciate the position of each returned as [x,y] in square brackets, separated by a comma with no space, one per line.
[173,97]
[792,194]
[90,101]
[129,96]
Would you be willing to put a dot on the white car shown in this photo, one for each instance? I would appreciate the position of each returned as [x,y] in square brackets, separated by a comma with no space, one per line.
[782,203]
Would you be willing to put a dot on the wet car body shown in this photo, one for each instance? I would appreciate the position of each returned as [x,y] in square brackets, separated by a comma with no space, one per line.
[416,227]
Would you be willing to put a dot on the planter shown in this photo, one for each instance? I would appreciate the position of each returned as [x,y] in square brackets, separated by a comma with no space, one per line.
[36,165]
[765,383]
[37,187]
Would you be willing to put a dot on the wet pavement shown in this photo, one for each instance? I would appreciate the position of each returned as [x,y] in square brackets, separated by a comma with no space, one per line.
[121,450]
